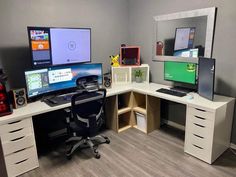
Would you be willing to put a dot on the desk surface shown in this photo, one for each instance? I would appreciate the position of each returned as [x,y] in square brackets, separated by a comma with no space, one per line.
[39,107]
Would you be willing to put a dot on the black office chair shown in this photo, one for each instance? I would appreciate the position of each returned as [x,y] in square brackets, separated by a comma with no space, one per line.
[87,118]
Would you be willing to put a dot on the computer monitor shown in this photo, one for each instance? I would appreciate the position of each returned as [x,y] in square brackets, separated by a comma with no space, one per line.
[184,72]
[184,38]
[187,53]
[206,77]
[59,46]
[53,79]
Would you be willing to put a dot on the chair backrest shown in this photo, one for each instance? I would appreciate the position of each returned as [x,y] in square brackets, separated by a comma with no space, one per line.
[88,114]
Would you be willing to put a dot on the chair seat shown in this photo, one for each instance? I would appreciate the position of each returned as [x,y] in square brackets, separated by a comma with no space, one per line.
[78,130]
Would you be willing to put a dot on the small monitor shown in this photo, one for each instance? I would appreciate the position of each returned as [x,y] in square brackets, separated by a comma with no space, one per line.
[206,77]
[184,72]
[187,53]
[184,38]
[50,80]
[59,46]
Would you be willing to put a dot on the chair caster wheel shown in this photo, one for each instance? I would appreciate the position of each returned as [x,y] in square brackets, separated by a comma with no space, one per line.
[107,141]
[97,156]
[96,153]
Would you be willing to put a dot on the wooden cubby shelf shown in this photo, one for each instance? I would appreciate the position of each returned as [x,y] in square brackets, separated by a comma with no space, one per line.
[124,121]
[126,106]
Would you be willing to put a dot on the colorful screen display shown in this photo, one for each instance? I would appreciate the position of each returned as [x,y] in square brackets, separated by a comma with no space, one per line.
[180,72]
[59,46]
[184,38]
[52,79]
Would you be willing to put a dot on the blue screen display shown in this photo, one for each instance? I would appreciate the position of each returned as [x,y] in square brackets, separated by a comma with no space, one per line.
[58,78]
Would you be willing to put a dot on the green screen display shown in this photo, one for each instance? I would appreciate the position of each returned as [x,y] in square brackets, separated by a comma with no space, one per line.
[180,71]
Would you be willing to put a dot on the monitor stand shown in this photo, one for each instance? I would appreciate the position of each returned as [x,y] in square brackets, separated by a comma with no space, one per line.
[182,89]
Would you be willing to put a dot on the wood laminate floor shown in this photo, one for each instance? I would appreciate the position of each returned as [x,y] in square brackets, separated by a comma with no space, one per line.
[135,154]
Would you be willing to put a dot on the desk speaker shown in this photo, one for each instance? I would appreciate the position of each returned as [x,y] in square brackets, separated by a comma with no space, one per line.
[18,97]
[107,80]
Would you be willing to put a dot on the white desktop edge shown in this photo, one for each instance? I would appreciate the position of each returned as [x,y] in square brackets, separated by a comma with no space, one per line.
[39,107]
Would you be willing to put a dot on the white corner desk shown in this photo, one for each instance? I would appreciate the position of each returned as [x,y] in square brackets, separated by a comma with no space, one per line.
[207,130]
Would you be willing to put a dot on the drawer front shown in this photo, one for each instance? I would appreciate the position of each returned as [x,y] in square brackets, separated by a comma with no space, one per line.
[18,144]
[21,162]
[200,121]
[197,151]
[15,125]
[12,135]
[199,141]
[203,130]
[201,113]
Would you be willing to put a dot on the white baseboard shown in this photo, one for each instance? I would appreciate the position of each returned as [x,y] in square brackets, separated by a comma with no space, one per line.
[173,124]
[233,146]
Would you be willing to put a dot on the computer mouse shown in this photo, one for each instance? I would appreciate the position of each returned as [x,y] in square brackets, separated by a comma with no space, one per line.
[189,97]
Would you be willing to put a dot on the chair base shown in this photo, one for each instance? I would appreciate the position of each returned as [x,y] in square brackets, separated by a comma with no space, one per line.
[84,142]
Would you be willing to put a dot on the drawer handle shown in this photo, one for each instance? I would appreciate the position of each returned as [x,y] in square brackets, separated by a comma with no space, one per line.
[202,126]
[198,146]
[14,122]
[19,150]
[198,136]
[200,117]
[200,109]
[13,131]
[21,161]
[18,138]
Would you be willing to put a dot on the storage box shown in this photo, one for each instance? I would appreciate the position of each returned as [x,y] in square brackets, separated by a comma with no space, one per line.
[130,55]
[141,121]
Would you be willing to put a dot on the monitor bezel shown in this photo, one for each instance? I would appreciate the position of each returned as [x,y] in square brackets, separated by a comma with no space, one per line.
[175,37]
[60,91]
[195,83]
[51,65]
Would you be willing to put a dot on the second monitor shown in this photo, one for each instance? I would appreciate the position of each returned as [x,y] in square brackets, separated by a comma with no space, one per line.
[184,72]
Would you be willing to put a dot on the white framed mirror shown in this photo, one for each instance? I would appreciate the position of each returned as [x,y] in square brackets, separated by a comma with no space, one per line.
[184,35]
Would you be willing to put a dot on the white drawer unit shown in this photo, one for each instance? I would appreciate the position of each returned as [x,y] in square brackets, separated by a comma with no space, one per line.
[15,125]
[196,150]
[204,130]
[21,162]
[199,133]
[204,137]
[18,145]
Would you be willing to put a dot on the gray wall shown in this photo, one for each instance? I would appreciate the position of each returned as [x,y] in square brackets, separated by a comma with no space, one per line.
[141,25]
[107,18]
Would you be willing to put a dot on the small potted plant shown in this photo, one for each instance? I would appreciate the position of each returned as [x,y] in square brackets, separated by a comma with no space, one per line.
[138,75]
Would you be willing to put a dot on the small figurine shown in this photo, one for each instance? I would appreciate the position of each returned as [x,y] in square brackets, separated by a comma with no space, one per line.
[115,60]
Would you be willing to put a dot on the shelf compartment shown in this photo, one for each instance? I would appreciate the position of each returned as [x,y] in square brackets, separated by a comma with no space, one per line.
[145,73]
[124,110]
[140,121]
[121,75]
[139,100]
[124,100]
[124,121]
